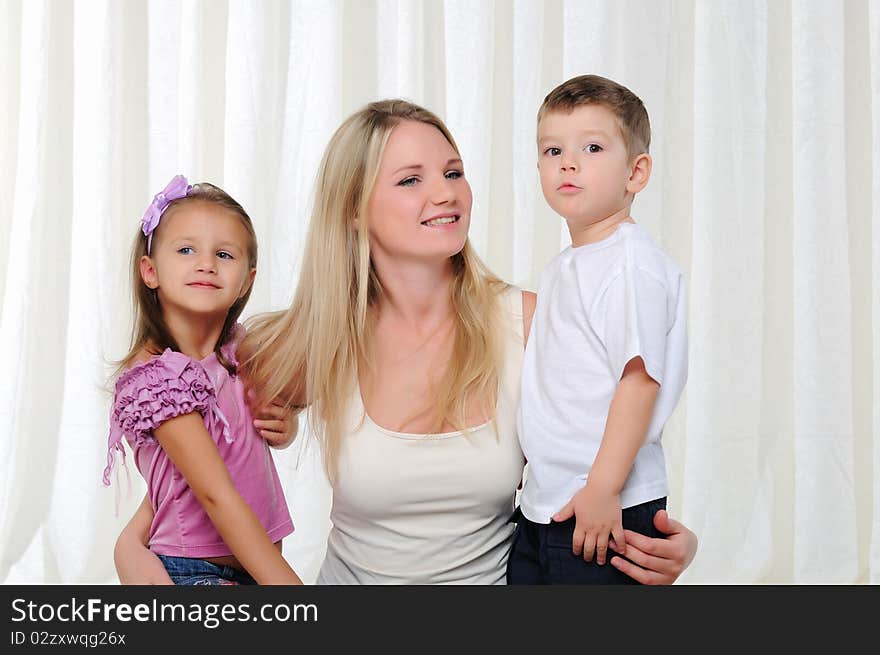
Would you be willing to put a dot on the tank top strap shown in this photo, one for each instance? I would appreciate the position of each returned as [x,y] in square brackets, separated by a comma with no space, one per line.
[514,347]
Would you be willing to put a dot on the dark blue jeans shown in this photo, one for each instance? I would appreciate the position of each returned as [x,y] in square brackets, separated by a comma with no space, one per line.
[191,571]
[542,554]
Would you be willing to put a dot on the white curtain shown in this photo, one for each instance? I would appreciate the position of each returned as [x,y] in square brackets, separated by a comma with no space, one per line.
[766,191]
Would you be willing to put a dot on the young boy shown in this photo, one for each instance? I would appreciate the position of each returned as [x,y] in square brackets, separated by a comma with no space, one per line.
[606,359]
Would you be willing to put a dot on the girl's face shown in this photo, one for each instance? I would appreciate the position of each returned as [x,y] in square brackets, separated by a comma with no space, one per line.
[199,261]
[420,207]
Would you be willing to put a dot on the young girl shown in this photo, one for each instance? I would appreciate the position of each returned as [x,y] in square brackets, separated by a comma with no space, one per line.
[219,513]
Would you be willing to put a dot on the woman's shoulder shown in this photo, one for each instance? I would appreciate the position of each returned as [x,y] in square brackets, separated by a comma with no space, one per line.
[520,305]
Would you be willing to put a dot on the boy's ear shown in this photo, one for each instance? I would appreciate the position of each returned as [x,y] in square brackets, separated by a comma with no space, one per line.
[639,174]
[148,272]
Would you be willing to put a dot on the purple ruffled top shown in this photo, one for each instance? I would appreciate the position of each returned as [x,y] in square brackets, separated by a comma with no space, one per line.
[172,384]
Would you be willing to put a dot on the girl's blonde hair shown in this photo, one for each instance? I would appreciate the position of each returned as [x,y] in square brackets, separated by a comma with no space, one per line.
[309,354]
[150,331]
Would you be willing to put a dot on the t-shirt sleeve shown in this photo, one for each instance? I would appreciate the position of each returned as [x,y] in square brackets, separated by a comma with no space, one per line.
[150,393]
[631,317]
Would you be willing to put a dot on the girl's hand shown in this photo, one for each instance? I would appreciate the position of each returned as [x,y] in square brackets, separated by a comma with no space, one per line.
[276,425]
[598,520]
[658,561]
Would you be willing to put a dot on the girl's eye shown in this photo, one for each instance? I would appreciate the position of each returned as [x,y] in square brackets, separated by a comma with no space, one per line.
[454,175]
[593,148]
[186,250]
[225,255]
[553,151]
[410,181]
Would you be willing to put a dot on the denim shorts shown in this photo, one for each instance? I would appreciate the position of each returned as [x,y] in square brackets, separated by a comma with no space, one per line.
[542,553]
[191,571]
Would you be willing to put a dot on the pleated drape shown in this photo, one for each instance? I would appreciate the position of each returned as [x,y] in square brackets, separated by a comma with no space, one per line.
[765,190]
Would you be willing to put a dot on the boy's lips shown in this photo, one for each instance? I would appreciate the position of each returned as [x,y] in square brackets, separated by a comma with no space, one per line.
[568,188]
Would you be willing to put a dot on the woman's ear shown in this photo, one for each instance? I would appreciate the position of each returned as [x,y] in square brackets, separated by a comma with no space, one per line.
[148,272]
[639,173]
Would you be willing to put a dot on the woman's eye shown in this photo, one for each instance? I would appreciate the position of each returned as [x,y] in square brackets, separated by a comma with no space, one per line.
[454,175]
[553,151]
[186,250]
[593,148]
[410,181]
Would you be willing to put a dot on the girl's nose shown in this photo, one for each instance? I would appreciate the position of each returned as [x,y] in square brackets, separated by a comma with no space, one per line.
[206,265]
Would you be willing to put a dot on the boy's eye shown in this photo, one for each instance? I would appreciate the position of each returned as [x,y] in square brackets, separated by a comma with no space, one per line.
[222,254]
[593,148]
[454,175]
[409,181]
[186,250]
[553,151]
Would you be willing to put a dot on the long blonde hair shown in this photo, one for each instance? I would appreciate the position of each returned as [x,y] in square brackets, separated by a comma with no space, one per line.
[308,354]
[150,331]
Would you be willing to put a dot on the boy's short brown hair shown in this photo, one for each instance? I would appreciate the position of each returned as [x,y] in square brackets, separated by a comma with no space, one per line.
[632,117]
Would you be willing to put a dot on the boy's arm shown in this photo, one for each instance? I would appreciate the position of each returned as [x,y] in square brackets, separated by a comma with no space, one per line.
[189,446]
[135,563]
[597,505]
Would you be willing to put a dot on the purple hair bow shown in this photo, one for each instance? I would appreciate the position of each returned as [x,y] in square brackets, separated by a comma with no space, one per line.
[178,187]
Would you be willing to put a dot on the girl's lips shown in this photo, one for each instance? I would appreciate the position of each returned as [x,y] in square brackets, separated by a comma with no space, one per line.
[203,285]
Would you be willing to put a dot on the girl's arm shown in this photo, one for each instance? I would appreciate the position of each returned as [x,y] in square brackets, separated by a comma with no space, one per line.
[189,446]
[135,563]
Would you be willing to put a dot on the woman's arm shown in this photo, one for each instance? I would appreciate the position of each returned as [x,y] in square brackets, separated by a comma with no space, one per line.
[658,561]
[135,563]
[189,446]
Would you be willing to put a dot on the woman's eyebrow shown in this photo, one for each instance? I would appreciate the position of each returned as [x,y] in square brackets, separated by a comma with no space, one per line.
[418,167]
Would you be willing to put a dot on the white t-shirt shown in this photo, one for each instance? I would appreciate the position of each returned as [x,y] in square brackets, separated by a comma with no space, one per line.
[429,509]
[599,306]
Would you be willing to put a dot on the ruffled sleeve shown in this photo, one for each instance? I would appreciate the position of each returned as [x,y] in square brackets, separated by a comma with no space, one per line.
[150,393]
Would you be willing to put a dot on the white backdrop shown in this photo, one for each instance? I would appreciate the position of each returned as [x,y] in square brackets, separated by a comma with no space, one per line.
[766,190]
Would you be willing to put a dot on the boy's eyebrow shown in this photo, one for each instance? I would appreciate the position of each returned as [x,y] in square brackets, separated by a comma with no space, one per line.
[585,133]
[418,167]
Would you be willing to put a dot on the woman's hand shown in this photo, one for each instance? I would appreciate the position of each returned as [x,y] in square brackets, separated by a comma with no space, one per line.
[277,425]
[658,561]
[135,563]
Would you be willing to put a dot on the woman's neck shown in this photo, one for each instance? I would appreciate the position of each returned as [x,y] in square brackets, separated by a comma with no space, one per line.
[195,335]
[418,294]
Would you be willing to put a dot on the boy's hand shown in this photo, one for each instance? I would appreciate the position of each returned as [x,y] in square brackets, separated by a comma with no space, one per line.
[597,516]
[276,425]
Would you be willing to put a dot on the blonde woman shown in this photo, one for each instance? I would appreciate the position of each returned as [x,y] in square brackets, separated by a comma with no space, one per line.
[407,351]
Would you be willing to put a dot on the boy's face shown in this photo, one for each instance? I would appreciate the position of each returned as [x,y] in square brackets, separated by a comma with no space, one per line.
[584,166]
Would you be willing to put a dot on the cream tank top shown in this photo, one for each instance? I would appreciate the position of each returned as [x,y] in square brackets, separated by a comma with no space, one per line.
[429,508]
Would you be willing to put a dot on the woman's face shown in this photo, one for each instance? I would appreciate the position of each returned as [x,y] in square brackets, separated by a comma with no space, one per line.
[420,208]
